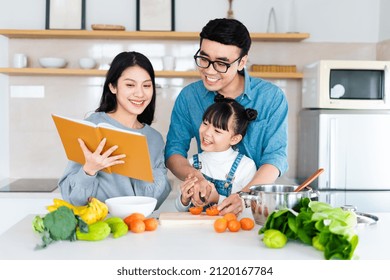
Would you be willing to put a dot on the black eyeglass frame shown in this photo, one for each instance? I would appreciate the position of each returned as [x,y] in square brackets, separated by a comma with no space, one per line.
[228,65]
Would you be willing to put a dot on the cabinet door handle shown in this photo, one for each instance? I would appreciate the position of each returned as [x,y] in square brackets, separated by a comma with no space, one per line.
[332,148]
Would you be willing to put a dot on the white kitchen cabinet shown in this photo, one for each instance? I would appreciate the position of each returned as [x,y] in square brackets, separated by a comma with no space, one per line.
[16,206]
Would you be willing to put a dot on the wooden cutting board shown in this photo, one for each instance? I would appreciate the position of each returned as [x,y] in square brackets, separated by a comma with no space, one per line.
[185,218]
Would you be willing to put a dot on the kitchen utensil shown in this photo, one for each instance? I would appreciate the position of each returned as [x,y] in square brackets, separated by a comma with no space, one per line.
[366,219]
[52,62]
[230,13]
[363,219]
[266,199]
[20,60]
[309,180]
[87,63]
[123,206]
[271,26]
[185,218]
[168,63]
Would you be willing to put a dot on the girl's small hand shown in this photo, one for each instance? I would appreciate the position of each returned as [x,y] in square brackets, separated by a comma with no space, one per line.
[95,161]
[186,189]
[202,193]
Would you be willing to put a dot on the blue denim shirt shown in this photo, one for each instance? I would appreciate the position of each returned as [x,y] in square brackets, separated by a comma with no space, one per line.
[266,139]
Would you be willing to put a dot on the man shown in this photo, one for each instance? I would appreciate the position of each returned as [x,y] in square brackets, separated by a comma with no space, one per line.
[221,58]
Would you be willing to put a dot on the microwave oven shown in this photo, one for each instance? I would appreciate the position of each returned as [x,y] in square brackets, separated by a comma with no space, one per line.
[346,84]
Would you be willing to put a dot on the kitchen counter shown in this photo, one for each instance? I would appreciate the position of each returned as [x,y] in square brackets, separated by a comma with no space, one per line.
[190,242]
[31,195]
[14,206]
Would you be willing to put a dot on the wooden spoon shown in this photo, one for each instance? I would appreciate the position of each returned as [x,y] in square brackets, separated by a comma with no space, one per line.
[309,180]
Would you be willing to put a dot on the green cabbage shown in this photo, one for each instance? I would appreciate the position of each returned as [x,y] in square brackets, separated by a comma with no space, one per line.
[274,238]
[326,228]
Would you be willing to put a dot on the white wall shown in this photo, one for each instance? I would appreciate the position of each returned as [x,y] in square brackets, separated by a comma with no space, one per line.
[4,112]
[384,25]
[325,20]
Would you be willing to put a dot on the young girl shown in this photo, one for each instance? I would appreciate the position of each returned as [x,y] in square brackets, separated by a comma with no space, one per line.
[228,171]
[128,102]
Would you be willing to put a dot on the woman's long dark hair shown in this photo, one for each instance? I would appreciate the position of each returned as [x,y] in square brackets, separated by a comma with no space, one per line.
[121,62]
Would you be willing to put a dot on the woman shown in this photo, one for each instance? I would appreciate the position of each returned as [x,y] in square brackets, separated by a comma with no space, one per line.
[128,102]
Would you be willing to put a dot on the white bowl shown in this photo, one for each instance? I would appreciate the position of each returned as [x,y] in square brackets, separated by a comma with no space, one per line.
[87,63]
[52,62]
[123,206]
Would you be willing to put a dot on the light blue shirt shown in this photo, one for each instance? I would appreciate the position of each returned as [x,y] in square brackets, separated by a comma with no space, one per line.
[266,139]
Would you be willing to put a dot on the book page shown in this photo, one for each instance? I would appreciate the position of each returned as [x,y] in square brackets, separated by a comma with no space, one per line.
[110,126]
[76,120]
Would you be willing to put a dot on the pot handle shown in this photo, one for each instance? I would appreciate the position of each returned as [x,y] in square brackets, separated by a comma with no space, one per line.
[314,193]
[247,196]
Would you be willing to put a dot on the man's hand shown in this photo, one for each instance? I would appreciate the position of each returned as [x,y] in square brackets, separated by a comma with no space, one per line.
[201,191]
[232,204]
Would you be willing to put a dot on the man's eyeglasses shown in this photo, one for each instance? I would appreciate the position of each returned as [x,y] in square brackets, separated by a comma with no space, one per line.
[219,66]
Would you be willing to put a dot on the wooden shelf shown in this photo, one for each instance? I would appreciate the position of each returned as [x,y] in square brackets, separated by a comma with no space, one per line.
[51,72]
[147,35]
[102,73]
[277,75]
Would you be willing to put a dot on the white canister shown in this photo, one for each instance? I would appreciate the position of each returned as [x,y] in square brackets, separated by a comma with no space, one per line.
[168,63]
[20,60]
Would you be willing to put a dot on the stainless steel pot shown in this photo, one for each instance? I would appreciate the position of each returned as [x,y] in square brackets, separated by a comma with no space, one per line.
[266,199]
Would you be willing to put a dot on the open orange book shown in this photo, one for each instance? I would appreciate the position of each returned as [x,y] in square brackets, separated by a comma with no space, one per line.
[134,145]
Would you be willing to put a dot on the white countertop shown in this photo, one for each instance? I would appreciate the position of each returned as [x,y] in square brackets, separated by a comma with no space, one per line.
[14,206]
[27,195]
[198,242]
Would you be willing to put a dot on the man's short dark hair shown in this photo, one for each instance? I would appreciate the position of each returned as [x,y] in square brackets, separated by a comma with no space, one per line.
[227,32]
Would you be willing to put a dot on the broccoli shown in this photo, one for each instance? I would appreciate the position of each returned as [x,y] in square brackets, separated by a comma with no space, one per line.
[60,224]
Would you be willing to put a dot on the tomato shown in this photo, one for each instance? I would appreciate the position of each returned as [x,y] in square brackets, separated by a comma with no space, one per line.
[137,226]
[234,225]
[150,224]
[132,217]
[230,216]
[247,223]
[196,210]
[220,225]
[212,211]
